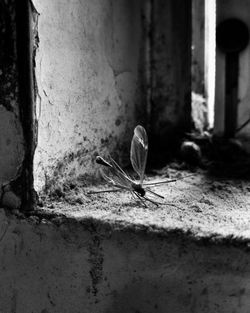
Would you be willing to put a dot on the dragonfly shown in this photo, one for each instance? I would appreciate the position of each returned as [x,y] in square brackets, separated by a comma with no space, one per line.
[119,179]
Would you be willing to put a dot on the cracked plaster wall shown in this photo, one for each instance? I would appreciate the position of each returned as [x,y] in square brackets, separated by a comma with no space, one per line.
[86,69]
[67,266]
[11,133]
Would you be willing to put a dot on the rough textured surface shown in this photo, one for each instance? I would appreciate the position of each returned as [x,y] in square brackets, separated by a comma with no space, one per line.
[198,47]
[11,135]
[87,72]
[199,205]
[12,147]
[111,254]
[171,67]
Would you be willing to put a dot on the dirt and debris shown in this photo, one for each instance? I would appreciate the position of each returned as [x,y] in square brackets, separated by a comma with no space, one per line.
[222,157]
[191,152]
[209,200]
[203,206]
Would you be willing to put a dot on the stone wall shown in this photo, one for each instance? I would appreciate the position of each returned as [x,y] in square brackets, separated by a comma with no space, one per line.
[64,265]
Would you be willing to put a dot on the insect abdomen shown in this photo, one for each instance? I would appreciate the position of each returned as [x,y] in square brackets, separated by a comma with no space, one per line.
[139,189]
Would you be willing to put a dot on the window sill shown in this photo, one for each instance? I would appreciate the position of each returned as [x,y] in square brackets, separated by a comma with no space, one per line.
[217,211]
[106,254]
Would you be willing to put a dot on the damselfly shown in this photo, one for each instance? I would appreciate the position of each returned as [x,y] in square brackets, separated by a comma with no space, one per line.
[116,176]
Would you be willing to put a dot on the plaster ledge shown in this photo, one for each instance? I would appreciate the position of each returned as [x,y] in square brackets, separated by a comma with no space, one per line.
[206,210]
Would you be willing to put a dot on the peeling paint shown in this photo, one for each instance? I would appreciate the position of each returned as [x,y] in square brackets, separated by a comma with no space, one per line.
[14,137]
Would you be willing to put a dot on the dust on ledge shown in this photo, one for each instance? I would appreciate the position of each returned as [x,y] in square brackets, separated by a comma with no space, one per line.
[199,205]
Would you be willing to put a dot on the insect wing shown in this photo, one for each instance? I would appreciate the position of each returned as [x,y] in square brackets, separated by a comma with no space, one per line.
[116,176]
[139,151]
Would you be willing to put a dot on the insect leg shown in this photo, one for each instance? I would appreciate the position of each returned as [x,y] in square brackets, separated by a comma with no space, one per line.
[102,191]
[155,203]
[119,188]
[145,198]
[171,204]
[140,198]
[154,193]
[160,182]
[167,181]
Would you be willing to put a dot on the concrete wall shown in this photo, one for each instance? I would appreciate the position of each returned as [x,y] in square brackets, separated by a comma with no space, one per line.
[227,9]
[87,73]
[11,134]
[198,47]
[82,267]
[171,70]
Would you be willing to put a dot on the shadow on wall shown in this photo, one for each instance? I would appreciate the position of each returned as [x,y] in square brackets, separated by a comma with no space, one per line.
[148,297]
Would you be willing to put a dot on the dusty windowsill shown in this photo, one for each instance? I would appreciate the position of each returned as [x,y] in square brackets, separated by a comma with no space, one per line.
[205,209]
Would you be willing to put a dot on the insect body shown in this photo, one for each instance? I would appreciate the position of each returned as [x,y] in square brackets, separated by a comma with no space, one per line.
[138,157]
[139,189]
